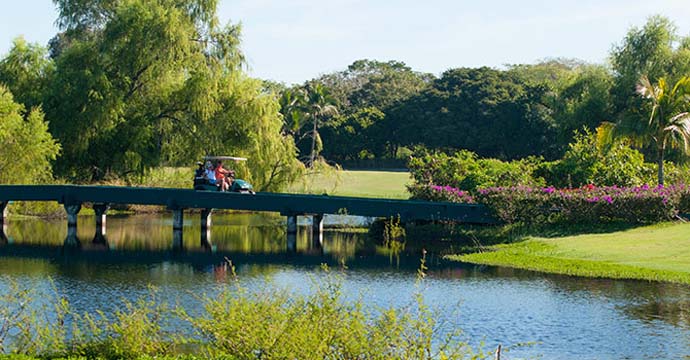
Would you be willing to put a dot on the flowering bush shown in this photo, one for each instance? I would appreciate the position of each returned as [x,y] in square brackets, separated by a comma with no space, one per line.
[588,204]
[440,193]
[638,204]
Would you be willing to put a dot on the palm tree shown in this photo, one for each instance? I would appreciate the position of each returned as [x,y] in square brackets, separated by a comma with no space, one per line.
[319,106]
[291,105]
[669,121]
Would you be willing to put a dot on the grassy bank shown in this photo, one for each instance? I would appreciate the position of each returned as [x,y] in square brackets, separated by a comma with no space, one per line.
[658,252]
[380,184]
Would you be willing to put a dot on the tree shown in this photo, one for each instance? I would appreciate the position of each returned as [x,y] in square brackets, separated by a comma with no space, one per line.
[320,106]
[654,50]
[26,71]
[27,146]
[669,121]
[344,84]
[140,83]
[583,101]
[491,112]
[350,136]
[667,125]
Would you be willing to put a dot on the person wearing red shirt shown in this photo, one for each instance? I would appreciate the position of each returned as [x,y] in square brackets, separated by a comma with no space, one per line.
[222,176]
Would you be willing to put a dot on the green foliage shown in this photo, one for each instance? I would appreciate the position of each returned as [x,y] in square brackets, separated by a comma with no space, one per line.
[585,205]
[588,161]
[27,146]
[466,171]
[654,50]
[583,101]
[131,332]
[362,93]
[371,83]
[31,327]
[26,72]
[490,112]
[236,324]
[142,83]
[393,231]
[439,193]
[304,110]
[276,325]
[668,125]
[351,137]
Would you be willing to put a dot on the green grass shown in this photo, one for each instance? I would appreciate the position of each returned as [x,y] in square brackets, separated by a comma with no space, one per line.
[658,252]
[379,184]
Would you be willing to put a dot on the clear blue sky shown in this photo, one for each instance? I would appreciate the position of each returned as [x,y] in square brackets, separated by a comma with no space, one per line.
[292,41]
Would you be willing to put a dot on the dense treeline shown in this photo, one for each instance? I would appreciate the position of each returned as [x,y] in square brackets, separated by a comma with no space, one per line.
[128,86]
[131,85]
[509,113]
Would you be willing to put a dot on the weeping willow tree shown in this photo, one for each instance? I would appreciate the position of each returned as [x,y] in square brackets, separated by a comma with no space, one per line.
[245,123]
[140,83]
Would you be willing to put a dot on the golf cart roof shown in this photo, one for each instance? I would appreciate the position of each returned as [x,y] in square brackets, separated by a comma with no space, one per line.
[235,158]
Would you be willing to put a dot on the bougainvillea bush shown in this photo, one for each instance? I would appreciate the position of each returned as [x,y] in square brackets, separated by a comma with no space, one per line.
[587,204]
[440,193]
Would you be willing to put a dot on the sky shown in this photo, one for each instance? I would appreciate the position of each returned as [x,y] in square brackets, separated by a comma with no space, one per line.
[296,40]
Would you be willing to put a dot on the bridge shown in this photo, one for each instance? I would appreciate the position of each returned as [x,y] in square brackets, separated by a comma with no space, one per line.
[73,197]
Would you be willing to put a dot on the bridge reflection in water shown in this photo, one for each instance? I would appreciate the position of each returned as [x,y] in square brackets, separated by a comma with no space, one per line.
[292,206]
[241,238]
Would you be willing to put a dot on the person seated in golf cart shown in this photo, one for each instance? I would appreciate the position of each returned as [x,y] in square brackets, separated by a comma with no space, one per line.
[203,177]
[199,172]
[220,179]
[210,173]
[223,176]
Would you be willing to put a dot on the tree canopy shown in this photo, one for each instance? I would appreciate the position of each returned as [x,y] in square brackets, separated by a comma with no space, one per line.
[27,146]
[130,85]
[138,83]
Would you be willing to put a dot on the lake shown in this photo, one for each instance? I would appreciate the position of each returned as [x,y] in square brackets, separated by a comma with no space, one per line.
[561,317]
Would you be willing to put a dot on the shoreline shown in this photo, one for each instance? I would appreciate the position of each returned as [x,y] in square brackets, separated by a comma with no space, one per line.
[648,253]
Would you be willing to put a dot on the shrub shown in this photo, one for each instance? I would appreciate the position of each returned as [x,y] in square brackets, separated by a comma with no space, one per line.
[237,324]
[588,161]
[464,170]
[440,193]
[640,204]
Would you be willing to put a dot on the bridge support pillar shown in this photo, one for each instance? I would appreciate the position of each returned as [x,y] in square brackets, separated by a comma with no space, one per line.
[317,230]
[3,219]
[206,222]
[291,233]
[292,224]
[291,243]
[178,225]
[100,210]
[72,215]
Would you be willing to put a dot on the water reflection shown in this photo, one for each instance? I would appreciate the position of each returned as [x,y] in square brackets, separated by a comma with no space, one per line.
[570,317]
[240,237]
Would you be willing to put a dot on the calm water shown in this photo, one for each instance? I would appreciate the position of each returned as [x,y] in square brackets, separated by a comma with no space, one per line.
[568,318]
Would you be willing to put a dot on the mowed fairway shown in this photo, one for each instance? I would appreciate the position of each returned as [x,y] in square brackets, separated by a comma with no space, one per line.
[371,184]
[658,252]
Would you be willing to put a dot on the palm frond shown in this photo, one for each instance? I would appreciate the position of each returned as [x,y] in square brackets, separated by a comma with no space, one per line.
[680,128]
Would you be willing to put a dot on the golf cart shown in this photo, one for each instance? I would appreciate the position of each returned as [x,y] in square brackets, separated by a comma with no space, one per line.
[237,185]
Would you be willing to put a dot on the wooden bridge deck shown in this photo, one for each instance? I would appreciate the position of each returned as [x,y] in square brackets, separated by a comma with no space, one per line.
[286,204]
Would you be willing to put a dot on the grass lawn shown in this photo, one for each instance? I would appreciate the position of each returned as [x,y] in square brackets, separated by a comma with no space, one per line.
[658,252]
[380,184]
